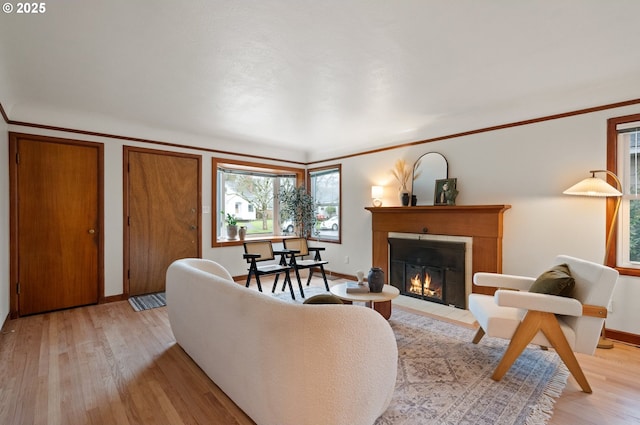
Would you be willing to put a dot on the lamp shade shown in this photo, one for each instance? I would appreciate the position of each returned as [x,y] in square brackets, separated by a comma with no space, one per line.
[593,186]
[376,195]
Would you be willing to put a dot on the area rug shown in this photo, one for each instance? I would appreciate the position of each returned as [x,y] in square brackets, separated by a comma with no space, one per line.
[443,378]
[146,302]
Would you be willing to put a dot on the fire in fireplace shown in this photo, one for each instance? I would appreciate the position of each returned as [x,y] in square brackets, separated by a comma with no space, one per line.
[429,270]
[424,282]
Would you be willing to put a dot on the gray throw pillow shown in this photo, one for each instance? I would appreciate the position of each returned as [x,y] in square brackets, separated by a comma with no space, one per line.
[555,281]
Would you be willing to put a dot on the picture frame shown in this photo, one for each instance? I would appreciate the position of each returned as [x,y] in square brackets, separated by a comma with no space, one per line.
[445,192]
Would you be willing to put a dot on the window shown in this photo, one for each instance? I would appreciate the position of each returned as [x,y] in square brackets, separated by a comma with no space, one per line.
[248,191]
[624,147]
[325,189]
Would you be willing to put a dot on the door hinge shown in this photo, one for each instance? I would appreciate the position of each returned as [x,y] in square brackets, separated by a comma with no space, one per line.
[18,288]
[17,157]
[129,274]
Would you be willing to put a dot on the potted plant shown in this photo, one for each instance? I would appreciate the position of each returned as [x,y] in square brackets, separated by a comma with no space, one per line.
[297,205]
[232,225]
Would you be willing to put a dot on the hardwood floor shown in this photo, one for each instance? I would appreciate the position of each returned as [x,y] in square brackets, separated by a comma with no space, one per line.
[107,364]
[104,364]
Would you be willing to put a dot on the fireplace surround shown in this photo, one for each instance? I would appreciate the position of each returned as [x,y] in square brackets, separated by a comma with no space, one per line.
[482,223]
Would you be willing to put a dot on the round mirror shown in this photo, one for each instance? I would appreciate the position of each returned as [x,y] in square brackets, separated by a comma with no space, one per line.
[428,168]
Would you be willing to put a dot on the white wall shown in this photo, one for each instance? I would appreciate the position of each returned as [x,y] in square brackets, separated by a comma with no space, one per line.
[4,222]
[527,167]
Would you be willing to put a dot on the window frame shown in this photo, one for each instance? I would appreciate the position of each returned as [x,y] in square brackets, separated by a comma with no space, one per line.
[320,169]
[245,166]
[612,165]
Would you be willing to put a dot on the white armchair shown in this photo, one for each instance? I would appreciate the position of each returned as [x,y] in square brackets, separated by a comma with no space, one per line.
[566,324]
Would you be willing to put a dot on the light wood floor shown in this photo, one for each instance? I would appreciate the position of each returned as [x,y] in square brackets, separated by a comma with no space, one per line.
[107,364]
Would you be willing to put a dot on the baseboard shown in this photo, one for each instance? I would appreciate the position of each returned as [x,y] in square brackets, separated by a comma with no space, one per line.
[626,337]
[4,323]
[113,298]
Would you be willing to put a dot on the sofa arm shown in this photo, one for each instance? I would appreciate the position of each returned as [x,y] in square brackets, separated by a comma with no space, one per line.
[521,283]
[539,302]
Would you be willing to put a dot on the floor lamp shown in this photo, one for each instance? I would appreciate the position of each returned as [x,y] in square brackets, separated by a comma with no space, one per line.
[597,187]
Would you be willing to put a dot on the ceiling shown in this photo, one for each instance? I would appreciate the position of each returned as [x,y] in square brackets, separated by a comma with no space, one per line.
[321,78]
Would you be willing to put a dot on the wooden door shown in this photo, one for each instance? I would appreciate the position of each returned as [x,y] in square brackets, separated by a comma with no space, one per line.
[56,203]
[163,215]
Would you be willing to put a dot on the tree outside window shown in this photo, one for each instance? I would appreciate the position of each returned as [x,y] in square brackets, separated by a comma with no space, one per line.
[326,191]
[248,192]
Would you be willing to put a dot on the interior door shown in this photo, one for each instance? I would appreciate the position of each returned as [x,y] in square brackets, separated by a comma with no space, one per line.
[163,215]
[58,220]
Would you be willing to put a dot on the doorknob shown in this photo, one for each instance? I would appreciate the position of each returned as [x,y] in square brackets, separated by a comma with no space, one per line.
[193,227]
[91,231]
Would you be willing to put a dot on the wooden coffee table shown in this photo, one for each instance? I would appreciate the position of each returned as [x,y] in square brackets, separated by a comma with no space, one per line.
[388,293]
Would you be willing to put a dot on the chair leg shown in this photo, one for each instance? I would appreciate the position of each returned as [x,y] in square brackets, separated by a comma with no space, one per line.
[287,279]
[310,275]
[275,283]
[533,322]
[523,335]
[324,277]
[298,277]
[299,286]
[478,336]
[553,332]
[258,281]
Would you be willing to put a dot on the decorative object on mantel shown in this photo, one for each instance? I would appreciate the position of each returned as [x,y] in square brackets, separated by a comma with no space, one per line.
[375,279]
[376,195]
[406,198]
[427,169]
[402,172]
[596,187]
[445,192]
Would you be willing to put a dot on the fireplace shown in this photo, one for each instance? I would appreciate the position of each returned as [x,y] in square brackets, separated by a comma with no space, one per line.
[481,225]
[431,270]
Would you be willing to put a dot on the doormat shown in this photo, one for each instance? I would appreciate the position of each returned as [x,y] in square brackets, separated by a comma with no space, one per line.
[148,301]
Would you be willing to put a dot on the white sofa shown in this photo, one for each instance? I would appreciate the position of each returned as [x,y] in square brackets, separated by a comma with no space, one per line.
[282,363]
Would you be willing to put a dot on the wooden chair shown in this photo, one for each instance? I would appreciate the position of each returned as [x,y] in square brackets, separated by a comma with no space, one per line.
[299,249]
[259,251]
[566,324]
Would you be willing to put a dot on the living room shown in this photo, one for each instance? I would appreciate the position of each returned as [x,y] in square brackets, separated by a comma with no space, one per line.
[522,151]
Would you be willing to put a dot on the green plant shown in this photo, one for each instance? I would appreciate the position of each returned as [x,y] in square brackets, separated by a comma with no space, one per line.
[231,220]
[297,205]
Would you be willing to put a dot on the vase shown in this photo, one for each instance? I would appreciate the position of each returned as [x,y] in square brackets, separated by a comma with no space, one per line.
[405,199]
[242,232]
[375,279]
[414,200]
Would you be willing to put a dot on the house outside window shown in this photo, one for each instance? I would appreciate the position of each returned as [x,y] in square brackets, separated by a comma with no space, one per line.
[627,147]
[325,188]
[248,191]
